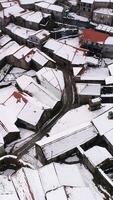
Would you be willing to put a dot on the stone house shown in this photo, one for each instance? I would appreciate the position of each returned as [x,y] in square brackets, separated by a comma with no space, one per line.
[103,16]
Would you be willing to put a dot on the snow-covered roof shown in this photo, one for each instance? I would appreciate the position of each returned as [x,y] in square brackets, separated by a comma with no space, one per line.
[91,89]
[41,58]
[74,55]
[23,52]
[95,74]
[87,1]
[109,41]
[7,190]
[42,33]
[77,117]
[31,114]
[102,123]
[77,70]
[110,67]
[12,10]
[79,193]
[104,11]
[97,155]
[25,185]
[53,76]
[56,145]
[55,175]
[47,98]
[20,31]
[106,28]
[57,194]
[4,39]
[49,6]
[9,49]
[109,80]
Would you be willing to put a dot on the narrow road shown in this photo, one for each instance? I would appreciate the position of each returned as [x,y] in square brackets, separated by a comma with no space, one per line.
[69,98]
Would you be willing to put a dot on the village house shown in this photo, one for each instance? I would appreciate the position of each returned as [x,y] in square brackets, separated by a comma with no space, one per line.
[105,28]
[106,119]
[41,94]
[103,16]
[22,57]
[38,39]
[53,180]
[74,132]
[94,40]
[7,4]
[5,14]
[32,116]
[88,91]
[40,59]
[94,156]
[93,75]
[56,10]
[107,137]
[20,18]
[66,55]
[87,6]
[27,4]
[52,79]
[107,50]
[98,42]
[18,33]
[31,19]
[4,39]
[7,51]
[105,174]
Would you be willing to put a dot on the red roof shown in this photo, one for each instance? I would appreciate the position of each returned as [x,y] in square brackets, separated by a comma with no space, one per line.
[93,36]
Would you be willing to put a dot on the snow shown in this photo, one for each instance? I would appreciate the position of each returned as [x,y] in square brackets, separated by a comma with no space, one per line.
[55,175]
[56,144]
[109,41]
[109,137]
[109,80]
[41,58]
[77,117]
[79,193]
[106,28]
[49,177]
[57,194]
[104,11]
[52,79]
[77,70]
[69,175]
[9,49]
[21,53]
[4,39]
[97,155]
[74,42]
[110,67]
[31,114]
[95,74]
[20,31]
[91,89]
[21,186]
[102,123]
[7,190]
[12,10]
[87,1]
[77,17]
[35,186]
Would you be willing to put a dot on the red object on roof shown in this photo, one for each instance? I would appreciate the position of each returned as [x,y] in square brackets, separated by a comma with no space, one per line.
[19,96]
[94,36]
